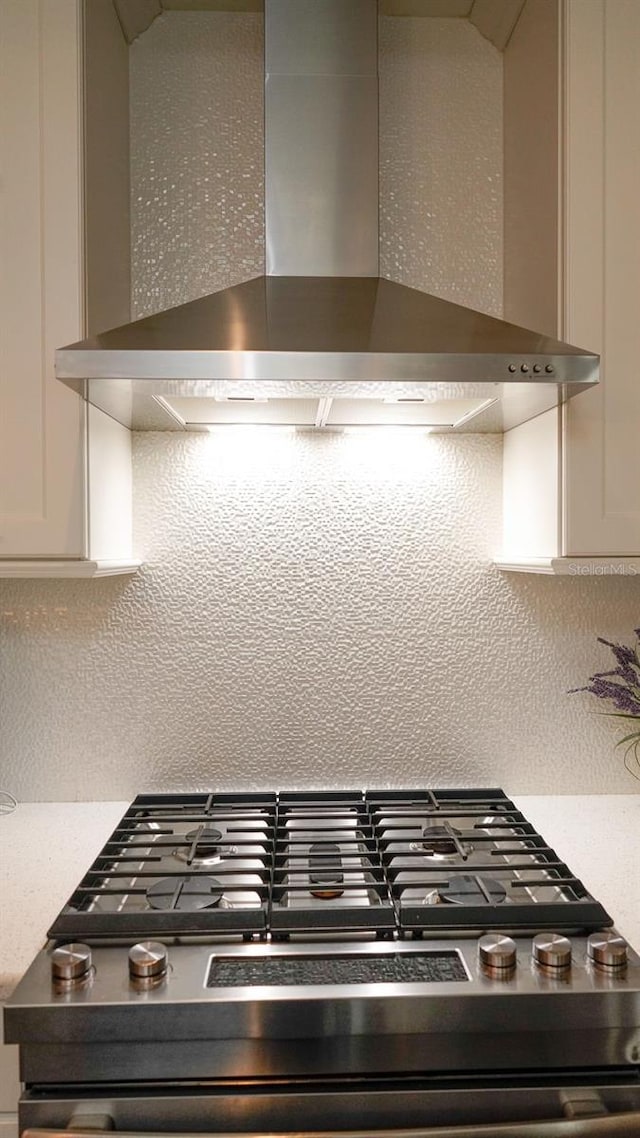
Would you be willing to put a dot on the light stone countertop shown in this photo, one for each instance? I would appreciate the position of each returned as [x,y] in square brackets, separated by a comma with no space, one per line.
[46,847]
[598,836]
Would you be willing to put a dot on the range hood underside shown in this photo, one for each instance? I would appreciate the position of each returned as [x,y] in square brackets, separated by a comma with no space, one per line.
[175,405]
[324,352]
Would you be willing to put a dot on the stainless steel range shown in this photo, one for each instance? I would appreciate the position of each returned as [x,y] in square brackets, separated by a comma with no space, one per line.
[353,963]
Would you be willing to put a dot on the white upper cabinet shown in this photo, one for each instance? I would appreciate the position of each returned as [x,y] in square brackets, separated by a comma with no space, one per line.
[572,237]
[602,274]
[55,457]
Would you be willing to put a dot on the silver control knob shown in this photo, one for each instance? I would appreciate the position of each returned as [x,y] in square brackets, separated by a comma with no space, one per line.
[148,960]
[71,962]
[551,950]
[497,952]
[608,950]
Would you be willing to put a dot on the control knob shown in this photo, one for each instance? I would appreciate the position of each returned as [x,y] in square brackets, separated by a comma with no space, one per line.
[551,950]
[607,950]
[497,953]
[148,960]
[70,963]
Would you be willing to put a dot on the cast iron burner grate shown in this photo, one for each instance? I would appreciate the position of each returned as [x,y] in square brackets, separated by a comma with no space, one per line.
[325,862]
[136,886]
[328,872]
[510,876]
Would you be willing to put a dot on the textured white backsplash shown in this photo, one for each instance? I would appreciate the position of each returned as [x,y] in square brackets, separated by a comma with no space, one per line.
[197,201]
[441,160]
[312,610]
[197,205]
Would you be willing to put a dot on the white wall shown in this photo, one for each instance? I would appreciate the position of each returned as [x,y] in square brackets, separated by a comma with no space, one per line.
[197,202]
[441,160]
[313,610]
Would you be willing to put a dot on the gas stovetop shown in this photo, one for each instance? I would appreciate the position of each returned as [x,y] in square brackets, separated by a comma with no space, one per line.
[277,865]
[297,959]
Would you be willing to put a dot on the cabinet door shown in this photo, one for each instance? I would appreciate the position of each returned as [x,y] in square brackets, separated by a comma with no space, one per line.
[601,473]
[9,1087]
[42,424]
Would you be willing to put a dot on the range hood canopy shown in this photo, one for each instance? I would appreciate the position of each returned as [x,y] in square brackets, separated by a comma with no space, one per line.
[322,340]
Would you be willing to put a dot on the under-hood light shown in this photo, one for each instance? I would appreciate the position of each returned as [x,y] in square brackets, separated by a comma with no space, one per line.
[198,413]
[388,431]
[238,399]
[405,399]
[247,429]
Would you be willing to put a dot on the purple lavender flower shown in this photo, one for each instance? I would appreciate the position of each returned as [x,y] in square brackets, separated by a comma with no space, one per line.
[619,695]
[628,662]
[620,685]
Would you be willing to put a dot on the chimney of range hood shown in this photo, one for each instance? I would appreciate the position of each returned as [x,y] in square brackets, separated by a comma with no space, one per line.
[322,340]
[321,138]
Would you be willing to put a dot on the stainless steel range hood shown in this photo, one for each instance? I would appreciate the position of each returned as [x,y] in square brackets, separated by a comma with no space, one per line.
[322,340]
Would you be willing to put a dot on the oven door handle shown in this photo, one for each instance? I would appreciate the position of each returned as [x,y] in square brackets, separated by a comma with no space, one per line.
[626,1125]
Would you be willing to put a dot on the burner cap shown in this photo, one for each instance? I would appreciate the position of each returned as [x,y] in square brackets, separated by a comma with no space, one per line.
[438,841]
[470,890]
[325,875]
[185,894]
[207,840]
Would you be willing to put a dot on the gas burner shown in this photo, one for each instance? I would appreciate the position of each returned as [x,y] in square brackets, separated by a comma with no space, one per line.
[321,862]
[185,894]
[468,889]
[441,843]
[325,875]
[206,838]
[205,847]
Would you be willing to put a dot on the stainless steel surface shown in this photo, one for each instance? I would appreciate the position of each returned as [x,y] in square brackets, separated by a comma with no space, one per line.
[525,1021]
[356,331]
[551,950]
[321,192]
[70,962]
[208,864]
[148,959]
[328,1030]
[336,37]
[321,93]
[499,861]
[162,868]
[497,953]
[621,1126]
[335,1109]
[608,950]
[321,337]
[322,324]
[323,330]
[126,401]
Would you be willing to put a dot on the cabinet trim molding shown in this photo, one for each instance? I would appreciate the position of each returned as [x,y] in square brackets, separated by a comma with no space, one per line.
[572,566]
[32,567]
